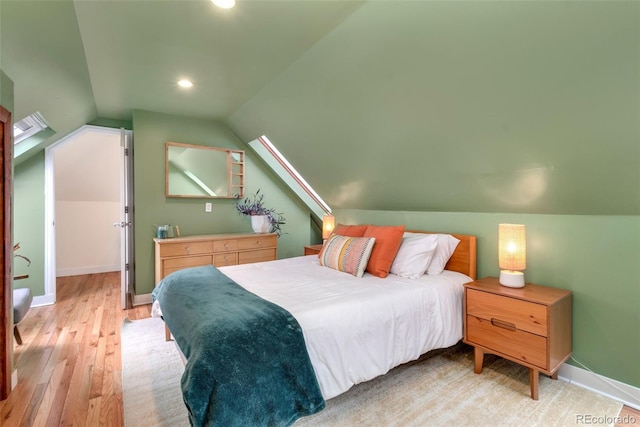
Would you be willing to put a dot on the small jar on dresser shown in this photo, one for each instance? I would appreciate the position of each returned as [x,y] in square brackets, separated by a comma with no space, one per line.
[530,325]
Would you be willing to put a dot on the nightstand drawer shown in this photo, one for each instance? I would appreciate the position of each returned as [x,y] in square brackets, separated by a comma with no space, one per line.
[524,315]
[503,338]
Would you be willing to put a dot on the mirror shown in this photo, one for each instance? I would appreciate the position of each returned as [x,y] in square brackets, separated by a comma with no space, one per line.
[203,172]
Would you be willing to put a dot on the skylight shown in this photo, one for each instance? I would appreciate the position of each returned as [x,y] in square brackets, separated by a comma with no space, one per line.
[281,166]
[28,126]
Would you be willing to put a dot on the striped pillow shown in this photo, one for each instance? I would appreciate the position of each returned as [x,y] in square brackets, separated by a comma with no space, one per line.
[348,254]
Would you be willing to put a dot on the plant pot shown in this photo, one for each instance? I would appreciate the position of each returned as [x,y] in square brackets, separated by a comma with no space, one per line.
[260,223]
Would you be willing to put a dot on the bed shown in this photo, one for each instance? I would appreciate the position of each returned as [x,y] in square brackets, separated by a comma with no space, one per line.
[353,328]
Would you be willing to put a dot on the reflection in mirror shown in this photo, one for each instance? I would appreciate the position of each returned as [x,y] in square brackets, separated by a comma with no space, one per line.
[199,171]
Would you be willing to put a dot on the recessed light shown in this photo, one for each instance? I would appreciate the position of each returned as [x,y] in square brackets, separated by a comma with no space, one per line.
[225,4]
[185,83]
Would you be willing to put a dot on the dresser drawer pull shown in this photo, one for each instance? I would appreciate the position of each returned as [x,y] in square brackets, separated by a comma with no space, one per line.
[502,324]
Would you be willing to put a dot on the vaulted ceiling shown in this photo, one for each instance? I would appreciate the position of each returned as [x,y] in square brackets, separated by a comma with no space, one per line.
[528,106]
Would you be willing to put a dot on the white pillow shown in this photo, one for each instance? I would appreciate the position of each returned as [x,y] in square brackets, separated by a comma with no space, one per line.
[414,255]
[446,245]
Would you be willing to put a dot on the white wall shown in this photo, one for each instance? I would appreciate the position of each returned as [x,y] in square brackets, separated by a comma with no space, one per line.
[87,242]
[87,188]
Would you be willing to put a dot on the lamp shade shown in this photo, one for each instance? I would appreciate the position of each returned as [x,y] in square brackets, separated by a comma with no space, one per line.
[512,254]
[512,249]
[328,223]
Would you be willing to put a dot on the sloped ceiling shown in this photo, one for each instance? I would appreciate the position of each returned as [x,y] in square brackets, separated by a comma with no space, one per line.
[525,106]
[106,58]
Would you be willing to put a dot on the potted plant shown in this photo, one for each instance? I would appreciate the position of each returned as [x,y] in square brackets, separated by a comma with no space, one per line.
[263,219]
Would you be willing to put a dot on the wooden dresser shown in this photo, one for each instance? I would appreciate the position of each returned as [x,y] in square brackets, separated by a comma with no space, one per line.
[530,326]
[214,249]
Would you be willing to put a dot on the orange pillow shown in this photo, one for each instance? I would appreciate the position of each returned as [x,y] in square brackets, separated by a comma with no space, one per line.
[388,240]
[350,230]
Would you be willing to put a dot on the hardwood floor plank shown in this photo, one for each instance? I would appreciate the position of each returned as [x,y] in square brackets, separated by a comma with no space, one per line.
[93,416]
[77,399]
[98,370]
[69,359]
[52,388]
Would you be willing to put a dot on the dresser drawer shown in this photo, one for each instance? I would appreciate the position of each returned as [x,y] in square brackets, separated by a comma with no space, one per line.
[518,344]
[225,245]
[524,315]
[185,249]
[220,260]
[259,255]
[175,264]
[258,242]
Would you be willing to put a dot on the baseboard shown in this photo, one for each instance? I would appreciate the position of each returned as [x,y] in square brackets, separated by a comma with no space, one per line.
[142,299]
[625,393]
[92,269]
[41,300]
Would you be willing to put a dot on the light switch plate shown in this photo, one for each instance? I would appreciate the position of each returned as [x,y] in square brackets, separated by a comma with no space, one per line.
[208,207]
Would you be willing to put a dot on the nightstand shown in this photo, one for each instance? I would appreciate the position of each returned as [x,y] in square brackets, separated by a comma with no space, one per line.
[312,249]
[530,326]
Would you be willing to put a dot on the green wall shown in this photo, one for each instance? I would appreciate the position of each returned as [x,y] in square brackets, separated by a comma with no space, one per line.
[151,131]
[465,106]
[6,91]
[28,208]
[596,257]
[28,220]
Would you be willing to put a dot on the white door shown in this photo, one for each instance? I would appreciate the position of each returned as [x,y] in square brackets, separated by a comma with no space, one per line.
[126,215]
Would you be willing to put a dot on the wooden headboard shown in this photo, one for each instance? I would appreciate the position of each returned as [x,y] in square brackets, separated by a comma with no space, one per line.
[463,259]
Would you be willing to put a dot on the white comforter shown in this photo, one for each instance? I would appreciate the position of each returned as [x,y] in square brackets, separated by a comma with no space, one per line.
[359,328]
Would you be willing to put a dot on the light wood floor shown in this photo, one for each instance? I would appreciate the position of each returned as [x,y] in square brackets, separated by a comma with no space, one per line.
[69,364]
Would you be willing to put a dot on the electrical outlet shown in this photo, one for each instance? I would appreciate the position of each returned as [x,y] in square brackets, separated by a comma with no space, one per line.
[208,207]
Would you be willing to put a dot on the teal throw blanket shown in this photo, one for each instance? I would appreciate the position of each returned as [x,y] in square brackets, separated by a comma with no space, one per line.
[247,363]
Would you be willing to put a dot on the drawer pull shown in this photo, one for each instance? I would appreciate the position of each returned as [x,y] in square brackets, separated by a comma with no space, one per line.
[502,324]
[187,249]
[226,246]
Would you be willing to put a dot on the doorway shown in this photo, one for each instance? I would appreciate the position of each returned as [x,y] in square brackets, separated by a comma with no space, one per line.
[86,233]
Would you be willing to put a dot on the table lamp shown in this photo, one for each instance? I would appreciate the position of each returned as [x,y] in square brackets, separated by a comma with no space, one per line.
[512,254]
[328,223]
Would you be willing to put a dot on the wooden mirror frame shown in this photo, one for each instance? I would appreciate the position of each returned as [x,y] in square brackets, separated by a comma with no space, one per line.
[200,158]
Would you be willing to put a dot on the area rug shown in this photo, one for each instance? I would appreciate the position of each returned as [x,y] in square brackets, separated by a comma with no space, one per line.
[438,389]
[151,371]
